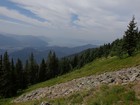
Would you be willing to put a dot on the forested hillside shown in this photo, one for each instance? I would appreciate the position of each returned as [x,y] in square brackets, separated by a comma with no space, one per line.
[14,76]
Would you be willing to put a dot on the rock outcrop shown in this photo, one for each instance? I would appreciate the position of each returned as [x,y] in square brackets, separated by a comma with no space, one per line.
[123,76]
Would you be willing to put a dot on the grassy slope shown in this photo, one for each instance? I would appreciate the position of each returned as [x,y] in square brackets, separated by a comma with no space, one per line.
[104,95]
[96,67]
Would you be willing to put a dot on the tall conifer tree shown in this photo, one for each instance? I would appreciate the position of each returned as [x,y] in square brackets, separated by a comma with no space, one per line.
[42,71]
[130,37]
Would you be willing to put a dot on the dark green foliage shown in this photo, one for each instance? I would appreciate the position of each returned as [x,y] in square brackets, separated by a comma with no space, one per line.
[42,71]
[64,66]
[75,61]
[32,70]
[21,75]
[116,49]
[52,65]
[130,38]
[13,79]
[138,41]
[1,71]
[6,91]
[5,80]
[1,75]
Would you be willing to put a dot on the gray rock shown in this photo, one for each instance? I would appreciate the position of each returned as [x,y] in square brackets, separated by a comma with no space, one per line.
[123,76]
[45,103]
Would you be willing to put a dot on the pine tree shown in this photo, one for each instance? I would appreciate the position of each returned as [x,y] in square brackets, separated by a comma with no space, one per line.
[64,66]
[21,80]
[33,70]
[52,65]
[75,61]
[27,72]
[13,79]
[138,39]
[55,64]
[1,71]
[5,82]
[1,75]
[130,38]
[42,71]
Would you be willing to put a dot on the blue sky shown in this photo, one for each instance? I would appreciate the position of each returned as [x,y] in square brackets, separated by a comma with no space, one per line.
[11,5]
[67,22]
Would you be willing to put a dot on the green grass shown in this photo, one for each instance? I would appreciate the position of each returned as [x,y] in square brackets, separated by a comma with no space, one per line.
[96,67]
[104,95]
[116,95]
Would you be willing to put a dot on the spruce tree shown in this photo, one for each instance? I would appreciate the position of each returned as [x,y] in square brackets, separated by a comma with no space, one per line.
[1,75]
[1,71]
[52,65]
[5,82]
[42,71]
[130,38]
[64,66]
[20,74]
[27,72]
[33,70]
[13,79]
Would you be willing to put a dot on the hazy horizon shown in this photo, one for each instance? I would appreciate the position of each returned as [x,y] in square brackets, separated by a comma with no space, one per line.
[66,22]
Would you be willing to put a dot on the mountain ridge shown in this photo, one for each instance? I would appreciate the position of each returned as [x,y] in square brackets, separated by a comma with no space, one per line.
[43,52]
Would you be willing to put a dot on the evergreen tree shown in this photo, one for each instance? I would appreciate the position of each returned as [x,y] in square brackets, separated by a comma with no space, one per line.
[75,61]
[55,63]
[42,71]
[0,62]
[13,79]
[33,70]
[52,65]
[1,71]
[21,75]
[138,40]
[130,38]
[1,76]
[64,66]
[5,82]
[26,69]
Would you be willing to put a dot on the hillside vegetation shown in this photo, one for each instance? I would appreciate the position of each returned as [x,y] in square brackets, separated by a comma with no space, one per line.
[15,76]
[96,67]
[104,95]
[121,53]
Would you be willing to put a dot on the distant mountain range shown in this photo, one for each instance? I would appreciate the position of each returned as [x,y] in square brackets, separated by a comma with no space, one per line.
[22,46]
[41,53]
[16,41]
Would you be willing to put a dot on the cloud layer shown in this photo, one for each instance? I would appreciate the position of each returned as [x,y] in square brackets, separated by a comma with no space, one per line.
[65,19]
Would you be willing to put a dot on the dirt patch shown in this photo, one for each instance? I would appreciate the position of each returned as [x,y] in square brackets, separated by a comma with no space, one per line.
[136,88]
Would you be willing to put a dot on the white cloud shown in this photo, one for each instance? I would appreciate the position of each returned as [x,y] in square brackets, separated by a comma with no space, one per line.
[18,16]
[90,12]
[97,19]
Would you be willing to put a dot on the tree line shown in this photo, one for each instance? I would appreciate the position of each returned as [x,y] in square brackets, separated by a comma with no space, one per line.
[126,46]
[14,76]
